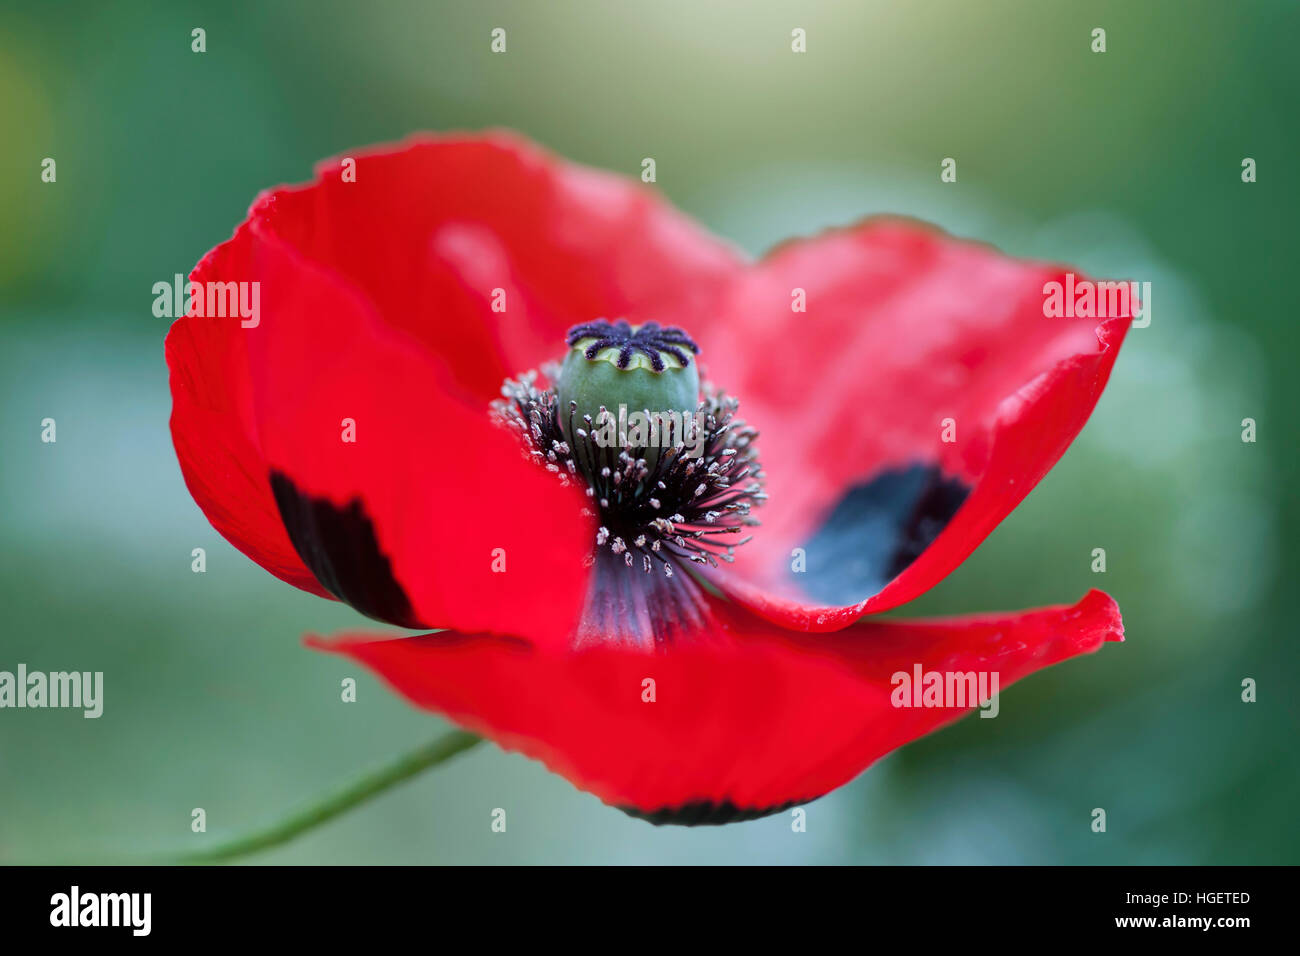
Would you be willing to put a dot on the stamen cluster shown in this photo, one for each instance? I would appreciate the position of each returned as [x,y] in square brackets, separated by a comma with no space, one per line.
[679,508]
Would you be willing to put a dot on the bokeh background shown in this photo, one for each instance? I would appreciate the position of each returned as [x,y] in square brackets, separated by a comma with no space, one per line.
[1124,164]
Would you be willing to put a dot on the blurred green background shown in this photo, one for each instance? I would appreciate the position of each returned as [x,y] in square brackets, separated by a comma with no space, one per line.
[1124,164]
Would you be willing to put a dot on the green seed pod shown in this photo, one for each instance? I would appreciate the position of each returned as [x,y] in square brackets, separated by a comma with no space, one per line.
[642,376]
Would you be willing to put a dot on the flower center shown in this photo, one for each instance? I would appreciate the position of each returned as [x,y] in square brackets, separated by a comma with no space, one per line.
[671,473]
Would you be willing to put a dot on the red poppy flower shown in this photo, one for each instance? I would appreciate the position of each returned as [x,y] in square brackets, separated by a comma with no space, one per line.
[615,611]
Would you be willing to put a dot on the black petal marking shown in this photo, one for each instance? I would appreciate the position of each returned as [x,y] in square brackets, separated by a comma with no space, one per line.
[706,813]
[876,530]
[339,546]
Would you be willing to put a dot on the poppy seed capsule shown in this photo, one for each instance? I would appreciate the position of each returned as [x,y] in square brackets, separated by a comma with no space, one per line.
[630,388]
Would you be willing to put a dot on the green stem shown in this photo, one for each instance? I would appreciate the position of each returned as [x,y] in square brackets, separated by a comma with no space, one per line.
[358,792]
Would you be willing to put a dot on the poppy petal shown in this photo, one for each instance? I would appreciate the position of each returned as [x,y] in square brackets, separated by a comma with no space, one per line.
[216,439]
[486,248]
[747,720]
[402,499]
[915,403]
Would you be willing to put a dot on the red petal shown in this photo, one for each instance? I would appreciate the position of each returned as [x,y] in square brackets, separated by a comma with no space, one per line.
[412,520]
[905,327]
[216,439]
[431,227]
[746,722]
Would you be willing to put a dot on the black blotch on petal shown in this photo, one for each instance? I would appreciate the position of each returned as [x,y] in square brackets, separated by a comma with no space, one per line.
[339,546]
[876,530]
[706,813]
